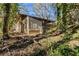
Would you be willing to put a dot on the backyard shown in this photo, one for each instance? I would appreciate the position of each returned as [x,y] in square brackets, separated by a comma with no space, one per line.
[39,34]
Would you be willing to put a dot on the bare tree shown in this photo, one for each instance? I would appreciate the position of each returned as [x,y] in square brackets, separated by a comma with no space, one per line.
[45,11]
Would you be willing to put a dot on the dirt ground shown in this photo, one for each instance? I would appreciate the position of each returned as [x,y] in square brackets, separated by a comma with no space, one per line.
[42,44]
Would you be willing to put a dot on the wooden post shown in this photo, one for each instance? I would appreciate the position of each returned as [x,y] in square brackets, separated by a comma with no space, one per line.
[41,29]
[22,27]
[44,27]
[27,25]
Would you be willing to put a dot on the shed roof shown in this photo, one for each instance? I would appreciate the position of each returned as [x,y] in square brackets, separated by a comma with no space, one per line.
[37,18]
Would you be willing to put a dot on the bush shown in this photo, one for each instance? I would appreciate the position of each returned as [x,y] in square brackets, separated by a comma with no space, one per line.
[64,50]
[76,49]
[67,36]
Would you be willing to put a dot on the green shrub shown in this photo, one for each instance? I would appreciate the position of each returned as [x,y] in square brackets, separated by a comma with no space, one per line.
[76,49]
[63,50]
[67,36]
[66,51]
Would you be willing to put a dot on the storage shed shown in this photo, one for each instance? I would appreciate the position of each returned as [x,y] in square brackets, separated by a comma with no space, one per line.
[30,25]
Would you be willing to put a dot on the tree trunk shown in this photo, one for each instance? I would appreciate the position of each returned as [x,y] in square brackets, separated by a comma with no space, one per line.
[6,19]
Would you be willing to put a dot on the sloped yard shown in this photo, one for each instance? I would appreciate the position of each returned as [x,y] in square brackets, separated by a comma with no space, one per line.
[37,47]
[33,48]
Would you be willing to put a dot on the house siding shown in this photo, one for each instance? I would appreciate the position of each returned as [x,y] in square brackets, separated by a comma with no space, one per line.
[34,25]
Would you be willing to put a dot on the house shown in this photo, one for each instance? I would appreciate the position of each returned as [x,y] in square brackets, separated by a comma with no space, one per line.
[30,25]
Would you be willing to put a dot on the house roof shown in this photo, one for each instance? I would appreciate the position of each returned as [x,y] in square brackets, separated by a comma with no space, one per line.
[38,18]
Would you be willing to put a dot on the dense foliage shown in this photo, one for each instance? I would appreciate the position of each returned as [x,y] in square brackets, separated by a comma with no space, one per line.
[64,50]
[68,22]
